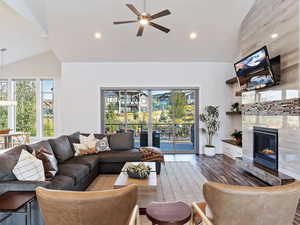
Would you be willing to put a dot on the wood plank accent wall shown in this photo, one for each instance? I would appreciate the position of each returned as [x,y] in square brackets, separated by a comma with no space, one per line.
[274,16]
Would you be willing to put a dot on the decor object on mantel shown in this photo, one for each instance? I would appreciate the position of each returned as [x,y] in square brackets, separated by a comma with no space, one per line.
[145,18]
[238,137]
[235,107]
[140,171]
[210,119]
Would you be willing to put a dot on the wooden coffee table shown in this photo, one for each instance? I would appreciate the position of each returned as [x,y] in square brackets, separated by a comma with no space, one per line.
[149,184]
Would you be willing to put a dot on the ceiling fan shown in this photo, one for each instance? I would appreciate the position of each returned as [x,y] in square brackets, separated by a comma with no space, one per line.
[145,18]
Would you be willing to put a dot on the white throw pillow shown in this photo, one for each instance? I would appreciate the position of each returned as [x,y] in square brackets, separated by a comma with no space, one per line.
[102,145]
[87,140]
[29,168]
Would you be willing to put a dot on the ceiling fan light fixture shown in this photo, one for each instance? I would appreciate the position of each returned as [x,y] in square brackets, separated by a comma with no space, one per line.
[144,22]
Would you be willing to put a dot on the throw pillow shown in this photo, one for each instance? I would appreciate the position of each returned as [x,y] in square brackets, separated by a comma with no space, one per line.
[122,141]
[49,162]
[86,140]
[29,168]
[102,145]
[83,149]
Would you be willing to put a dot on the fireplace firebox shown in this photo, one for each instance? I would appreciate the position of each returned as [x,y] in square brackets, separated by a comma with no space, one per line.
[266,147]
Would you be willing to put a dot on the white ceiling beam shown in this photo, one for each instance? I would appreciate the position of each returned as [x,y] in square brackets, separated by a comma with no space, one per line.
[21,7]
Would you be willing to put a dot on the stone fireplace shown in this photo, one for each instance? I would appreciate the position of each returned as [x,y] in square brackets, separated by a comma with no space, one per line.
[271,133]
[265,146]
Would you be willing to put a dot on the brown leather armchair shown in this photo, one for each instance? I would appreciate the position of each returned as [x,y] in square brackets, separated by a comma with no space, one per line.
[113,207]
[237,205]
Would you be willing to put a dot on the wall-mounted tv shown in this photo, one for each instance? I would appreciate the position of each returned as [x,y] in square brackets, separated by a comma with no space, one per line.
[255,71]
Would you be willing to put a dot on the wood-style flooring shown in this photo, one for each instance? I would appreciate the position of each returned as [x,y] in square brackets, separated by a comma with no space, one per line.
[223,170]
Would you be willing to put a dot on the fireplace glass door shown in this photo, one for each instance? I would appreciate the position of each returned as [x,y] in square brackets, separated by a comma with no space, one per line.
[266,147]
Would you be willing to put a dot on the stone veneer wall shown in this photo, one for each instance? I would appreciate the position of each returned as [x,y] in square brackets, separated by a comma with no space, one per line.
[276,107]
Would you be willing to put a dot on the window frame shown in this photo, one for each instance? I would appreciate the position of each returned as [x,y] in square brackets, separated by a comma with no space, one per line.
[12,110]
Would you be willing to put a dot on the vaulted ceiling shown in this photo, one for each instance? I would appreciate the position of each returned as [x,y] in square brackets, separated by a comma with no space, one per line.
[68,26]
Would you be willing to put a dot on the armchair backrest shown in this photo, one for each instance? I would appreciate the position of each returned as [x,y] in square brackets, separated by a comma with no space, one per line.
[236,205]
[113,207]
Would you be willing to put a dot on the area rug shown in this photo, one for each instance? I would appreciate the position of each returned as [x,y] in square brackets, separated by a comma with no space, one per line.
[178,181]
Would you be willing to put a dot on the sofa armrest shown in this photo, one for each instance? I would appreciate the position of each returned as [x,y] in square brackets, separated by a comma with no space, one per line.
[200,211]
[21,185]
[135,216]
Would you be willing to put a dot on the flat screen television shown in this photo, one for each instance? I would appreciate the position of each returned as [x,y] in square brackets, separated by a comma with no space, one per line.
[255,71]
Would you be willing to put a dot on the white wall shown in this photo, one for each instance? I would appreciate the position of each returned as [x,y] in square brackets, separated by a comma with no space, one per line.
[38,66]
[81,82]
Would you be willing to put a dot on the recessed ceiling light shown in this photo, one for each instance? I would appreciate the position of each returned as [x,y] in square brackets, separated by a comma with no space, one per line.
[275,35]
[97,35]
[193,35]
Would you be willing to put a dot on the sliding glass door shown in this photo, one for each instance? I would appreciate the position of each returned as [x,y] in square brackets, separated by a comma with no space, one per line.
[165,118]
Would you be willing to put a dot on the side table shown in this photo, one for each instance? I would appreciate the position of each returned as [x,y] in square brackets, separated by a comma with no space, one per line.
[16,202]
[168,213]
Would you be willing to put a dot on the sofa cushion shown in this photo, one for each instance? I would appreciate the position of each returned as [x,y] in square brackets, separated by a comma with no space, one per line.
[49,162]
[132,155]
[97,136]
[61,182]
[90,160]
[62,148]
[121,141]
[21,185]
[76,171]
[37,146]
[8,161]
[74,138]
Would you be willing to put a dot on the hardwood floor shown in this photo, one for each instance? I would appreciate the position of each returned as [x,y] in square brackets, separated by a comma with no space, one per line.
[223,169]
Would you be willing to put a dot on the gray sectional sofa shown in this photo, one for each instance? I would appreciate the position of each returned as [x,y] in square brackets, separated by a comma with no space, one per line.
[74,173]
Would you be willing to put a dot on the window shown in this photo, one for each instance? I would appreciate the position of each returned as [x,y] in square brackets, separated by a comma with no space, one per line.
[34,112]
[25,113]
[164,118]
[3,109]
[47,97]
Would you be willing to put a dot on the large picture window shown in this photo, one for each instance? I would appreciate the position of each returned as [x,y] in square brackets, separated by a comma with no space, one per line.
[34,110]
[165,118]
[3,109]
[25,113]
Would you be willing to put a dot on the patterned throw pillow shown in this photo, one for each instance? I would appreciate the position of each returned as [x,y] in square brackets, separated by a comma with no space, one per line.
[29,168]
[49,162]
[83,149]
[102,145]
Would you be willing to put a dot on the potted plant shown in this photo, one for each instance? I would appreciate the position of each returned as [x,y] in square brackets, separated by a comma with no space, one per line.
[211,122]
[237,136]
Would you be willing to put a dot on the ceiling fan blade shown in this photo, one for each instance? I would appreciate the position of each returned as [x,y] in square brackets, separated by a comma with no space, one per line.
[161,14]
[164,29]
[140,31]
[133,9]
[123,22]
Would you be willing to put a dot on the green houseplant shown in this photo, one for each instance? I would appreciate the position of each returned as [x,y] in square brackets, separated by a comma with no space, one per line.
[237,136]
[211,122]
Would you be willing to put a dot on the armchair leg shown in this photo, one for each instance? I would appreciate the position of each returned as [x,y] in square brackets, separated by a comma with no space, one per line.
[135,217]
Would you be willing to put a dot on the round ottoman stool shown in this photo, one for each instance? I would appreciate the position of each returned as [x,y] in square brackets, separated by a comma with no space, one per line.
[168,213]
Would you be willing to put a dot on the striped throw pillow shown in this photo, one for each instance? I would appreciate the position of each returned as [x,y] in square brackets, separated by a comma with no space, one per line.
[29,168]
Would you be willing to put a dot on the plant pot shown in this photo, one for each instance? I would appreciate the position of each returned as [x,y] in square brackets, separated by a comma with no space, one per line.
[210,151]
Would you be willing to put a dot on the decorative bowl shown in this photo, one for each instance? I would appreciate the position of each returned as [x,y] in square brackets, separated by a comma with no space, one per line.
[140,171]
